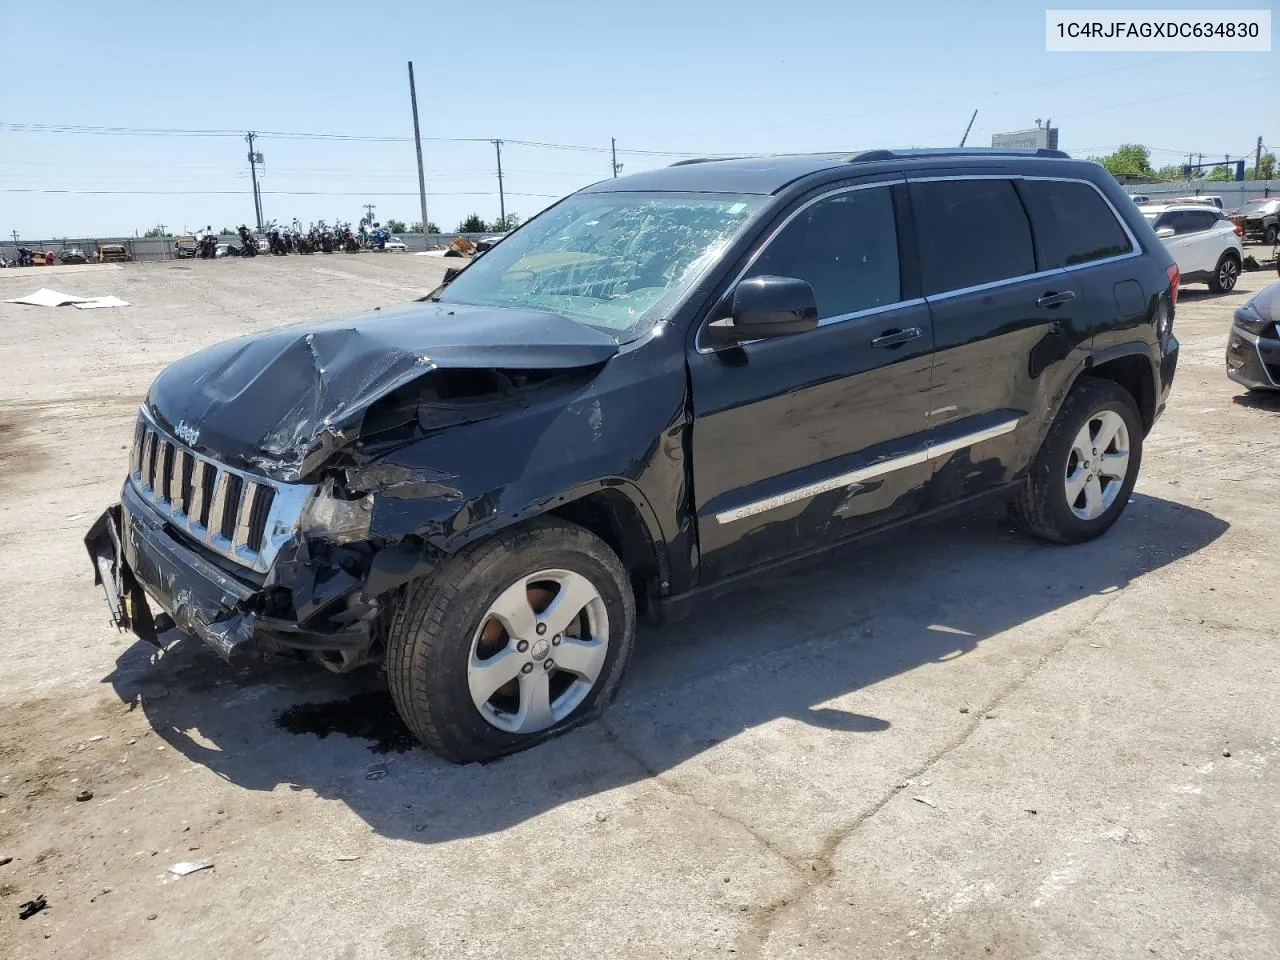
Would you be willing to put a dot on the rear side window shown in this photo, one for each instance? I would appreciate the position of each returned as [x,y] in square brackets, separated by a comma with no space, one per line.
[1187,221]
[1203,221]
[971,232]
[1073,223]
[845,246]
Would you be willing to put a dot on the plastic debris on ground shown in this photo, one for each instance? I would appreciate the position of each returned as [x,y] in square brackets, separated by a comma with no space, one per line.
[44,297]
[32,907]
[186,867]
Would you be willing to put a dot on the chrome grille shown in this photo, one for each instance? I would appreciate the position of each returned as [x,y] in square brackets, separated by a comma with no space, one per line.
[244,517]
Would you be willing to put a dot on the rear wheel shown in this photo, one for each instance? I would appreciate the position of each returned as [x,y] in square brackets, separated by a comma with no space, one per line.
[1225,274]
[1087,466]
[513,639]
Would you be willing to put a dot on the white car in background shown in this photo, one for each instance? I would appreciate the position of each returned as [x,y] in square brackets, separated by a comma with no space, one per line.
[395,245]
[1204,243]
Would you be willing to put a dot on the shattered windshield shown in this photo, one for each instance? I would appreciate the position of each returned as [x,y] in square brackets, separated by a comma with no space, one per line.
[612,261]
[1260,206]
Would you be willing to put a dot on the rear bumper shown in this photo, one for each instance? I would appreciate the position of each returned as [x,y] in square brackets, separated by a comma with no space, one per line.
[1168,369]
[1253,361]
[136,558]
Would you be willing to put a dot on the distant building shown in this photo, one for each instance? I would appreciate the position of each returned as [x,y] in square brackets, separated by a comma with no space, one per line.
[1037,138]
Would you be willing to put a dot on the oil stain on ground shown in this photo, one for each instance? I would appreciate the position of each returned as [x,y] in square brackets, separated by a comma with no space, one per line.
[369,716]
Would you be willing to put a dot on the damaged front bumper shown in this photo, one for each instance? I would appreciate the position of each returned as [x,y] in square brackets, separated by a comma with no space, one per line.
[306,606]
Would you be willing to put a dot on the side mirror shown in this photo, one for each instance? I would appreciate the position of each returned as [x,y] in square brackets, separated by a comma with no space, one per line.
[1164,233]
[765,307]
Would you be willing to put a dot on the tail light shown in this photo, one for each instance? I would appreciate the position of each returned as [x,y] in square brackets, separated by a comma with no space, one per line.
[1239,229]
[1174,279]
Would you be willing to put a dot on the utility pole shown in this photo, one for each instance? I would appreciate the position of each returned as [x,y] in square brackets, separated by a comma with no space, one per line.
[613,143]
[502,200]
[14,234]
[417,143]
[968,128]
[254,160]
[1257,160]
[369,208]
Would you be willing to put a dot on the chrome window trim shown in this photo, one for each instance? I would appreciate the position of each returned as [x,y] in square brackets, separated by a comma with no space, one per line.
[930,451]
[773,235]
[282,519]
[1136,250]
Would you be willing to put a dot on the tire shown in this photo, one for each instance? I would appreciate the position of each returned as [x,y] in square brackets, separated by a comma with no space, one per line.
[1042,505]
[1270,234]
[1225,273]
[446,642]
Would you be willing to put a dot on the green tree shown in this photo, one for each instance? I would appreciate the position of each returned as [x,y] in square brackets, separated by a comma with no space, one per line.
[1171,172]
[226,232]
[158,231]
[1220,173]
[416,227]
[473,224]
[1128,158]
[502,225]
[1266,169]
[396,226]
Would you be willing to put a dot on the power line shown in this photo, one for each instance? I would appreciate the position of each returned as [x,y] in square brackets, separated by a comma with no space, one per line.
[299,135]
[274,193]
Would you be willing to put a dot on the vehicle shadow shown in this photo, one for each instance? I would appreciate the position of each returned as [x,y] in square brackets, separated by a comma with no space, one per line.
[1259,400]
[1203,294]
[783,650]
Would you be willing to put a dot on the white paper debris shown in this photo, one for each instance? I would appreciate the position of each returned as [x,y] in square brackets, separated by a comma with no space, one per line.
[44,297]
[97,302]
[185,867]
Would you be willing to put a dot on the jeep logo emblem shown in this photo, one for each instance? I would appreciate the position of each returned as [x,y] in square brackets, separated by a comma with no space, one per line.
[187,434]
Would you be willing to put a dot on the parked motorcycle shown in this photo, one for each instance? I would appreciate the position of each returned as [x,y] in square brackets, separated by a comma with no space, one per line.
[248,242]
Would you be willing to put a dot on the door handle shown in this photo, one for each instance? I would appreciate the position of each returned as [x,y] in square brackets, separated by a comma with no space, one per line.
[1052,299]
[896,338]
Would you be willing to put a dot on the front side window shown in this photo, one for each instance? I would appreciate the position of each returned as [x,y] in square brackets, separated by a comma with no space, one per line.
[612,261]
[1073,223]
[972,232]
[845,246]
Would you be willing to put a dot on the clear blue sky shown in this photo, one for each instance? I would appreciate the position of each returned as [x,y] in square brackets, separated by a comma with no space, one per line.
[661,75]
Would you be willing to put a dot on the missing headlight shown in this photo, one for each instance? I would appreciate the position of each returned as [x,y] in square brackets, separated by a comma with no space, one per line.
[330,517]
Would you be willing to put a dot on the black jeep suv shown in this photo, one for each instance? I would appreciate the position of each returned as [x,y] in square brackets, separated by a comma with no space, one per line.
[654,389]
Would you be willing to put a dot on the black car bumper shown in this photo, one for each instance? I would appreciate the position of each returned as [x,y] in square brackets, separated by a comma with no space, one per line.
[1253,361]
[135,558]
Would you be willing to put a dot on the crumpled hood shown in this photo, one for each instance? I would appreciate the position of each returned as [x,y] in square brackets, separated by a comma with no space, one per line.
[270,400]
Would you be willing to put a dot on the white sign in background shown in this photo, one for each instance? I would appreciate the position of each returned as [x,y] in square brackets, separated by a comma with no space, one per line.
[1157,31]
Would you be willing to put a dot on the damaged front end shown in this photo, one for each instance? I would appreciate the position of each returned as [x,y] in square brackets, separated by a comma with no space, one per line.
[311,603]
[277,511]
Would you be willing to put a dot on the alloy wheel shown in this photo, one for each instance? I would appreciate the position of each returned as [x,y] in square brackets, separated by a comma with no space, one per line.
[1228,273]
[538,651]
[1097,465]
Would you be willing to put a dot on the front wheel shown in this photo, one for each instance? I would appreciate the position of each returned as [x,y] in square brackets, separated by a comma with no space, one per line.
[1270,234]
[1087,466]
[511,640]
[1225,274]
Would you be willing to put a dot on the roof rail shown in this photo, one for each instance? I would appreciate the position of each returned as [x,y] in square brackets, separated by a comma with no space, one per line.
[685,163]
[868,156]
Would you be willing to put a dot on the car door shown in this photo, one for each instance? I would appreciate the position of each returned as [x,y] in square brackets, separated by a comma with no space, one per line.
[993,311]
[803,440]
[1192,244]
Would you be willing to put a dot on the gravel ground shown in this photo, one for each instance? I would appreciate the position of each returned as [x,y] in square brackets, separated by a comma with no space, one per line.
[957,743]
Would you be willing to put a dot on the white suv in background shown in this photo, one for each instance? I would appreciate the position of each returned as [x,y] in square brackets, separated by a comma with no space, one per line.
[1204,243]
